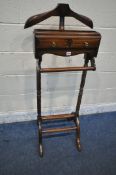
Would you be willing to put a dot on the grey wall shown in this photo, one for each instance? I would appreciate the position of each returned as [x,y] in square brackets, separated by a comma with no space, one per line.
[59,90]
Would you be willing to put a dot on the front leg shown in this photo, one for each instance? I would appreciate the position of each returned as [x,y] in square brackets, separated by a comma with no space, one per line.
[39,119]
[78,133]
[79,102]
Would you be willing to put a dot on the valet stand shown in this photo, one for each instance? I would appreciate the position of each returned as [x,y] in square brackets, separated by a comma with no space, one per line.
[63,43]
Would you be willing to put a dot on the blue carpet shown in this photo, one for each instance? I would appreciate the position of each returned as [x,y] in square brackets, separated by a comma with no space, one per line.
[19,149]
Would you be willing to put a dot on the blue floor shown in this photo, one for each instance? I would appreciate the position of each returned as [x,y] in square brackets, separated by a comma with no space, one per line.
[19,149]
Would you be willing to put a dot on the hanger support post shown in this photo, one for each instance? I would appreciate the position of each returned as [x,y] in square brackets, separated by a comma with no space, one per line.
[61,24]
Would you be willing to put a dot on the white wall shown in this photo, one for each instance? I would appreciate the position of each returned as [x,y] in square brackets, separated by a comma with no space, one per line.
[59,90]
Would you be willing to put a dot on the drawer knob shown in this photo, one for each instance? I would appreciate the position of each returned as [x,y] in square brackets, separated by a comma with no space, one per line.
[86,44]
[53,44]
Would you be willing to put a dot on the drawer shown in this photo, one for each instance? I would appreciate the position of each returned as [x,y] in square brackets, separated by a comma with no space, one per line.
[66,43]
[59,43]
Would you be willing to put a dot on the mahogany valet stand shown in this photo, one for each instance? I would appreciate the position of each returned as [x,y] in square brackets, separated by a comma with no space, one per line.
[63,43]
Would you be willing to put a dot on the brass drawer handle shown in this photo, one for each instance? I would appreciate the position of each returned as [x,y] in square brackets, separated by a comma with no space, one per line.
[86,44]
[53,44]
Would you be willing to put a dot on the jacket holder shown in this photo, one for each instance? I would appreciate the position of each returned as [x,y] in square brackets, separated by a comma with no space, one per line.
[63,43]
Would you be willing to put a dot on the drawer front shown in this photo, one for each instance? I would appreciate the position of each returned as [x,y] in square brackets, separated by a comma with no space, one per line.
[67,43]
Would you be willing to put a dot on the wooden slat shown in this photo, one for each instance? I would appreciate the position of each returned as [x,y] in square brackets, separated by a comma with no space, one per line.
[59,129]
[58,116]
[63,69]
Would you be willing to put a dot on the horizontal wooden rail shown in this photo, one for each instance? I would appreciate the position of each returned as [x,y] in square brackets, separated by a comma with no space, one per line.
[63,69]
[58,116]
[59,129]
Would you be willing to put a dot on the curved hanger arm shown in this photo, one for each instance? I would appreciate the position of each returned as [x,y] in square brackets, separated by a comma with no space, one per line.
[61,10]
[33,20]
[85,20]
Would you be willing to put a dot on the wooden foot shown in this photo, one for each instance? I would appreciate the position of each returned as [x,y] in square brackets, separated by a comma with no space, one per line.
[40,150]
[40,139]
[78,134]
[78,145]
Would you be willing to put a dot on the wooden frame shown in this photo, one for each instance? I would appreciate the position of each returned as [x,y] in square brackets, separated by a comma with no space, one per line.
[59,42]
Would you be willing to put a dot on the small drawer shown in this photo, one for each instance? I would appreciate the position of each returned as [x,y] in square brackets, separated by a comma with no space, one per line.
[85,43]
[51,43]
[66,43]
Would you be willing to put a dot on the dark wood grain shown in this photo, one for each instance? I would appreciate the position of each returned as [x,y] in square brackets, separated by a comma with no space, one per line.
[66,42]
[61,10]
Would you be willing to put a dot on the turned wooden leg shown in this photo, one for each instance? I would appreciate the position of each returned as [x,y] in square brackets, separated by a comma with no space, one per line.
[77,122]
[39,119]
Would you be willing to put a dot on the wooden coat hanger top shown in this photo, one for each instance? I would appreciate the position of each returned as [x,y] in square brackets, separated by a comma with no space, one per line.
[61,10]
